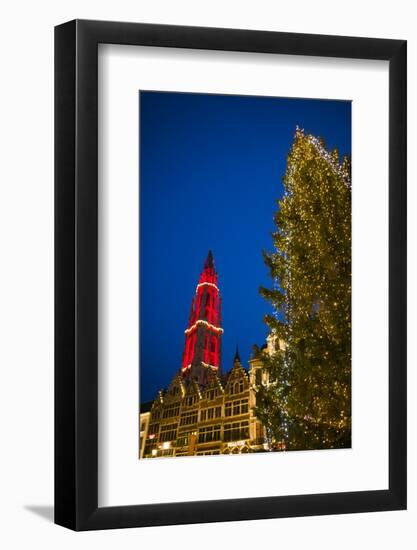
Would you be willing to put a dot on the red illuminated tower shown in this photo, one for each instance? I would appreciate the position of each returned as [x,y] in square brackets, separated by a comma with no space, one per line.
[202,350]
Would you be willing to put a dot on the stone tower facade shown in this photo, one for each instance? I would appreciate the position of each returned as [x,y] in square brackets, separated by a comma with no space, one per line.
[203,335]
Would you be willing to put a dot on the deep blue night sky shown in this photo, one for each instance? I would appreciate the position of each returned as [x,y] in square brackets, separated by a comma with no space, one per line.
[211,170]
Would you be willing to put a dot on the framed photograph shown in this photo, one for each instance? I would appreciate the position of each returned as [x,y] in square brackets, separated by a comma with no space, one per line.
[230,255]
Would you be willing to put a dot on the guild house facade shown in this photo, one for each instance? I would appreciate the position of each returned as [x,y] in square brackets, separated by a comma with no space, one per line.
[203,411]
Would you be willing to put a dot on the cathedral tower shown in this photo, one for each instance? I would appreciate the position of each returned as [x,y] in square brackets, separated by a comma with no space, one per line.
[202,349]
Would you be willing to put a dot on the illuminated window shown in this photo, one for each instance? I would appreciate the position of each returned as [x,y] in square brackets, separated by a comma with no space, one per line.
[166,452]
[239,406]
[168,432]
[183,439]
[156,415]
[190,400]
[150,445]
[208,414]
[237,387]
[211,394]
[209,433]
[188,418]
[171,410]
[201,453]
[153,429]
[236,431]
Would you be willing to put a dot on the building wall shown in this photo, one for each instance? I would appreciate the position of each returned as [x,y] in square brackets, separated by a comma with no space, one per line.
[144,419]
[188,420]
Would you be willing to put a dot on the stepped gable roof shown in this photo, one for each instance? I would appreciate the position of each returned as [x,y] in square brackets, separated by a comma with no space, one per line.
[237,366]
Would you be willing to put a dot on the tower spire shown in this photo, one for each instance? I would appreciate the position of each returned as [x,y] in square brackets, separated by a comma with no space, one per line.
[237,356]
[209,263]
[202,349]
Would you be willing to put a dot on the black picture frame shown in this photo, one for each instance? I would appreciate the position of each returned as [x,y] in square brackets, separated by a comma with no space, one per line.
[76,274]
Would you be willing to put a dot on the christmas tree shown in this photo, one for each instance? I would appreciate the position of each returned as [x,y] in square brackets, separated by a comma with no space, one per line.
[309,404]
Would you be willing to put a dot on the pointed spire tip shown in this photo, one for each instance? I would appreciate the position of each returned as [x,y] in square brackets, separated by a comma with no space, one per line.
[210,260]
